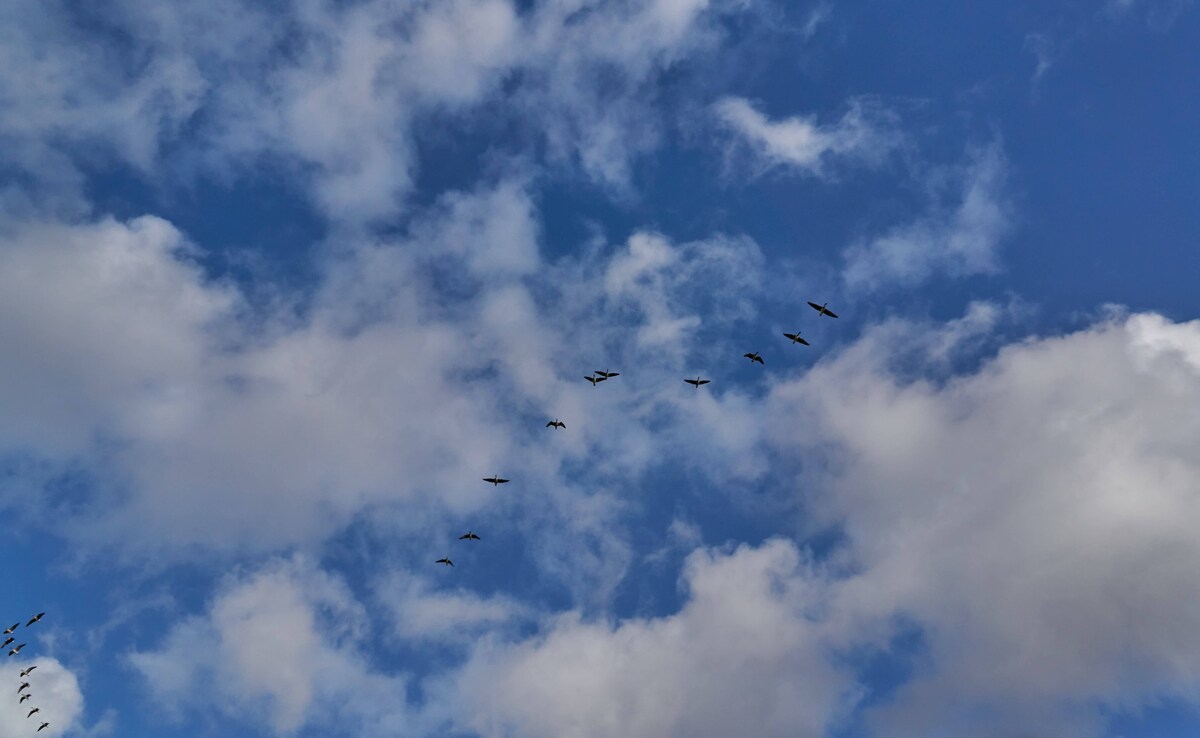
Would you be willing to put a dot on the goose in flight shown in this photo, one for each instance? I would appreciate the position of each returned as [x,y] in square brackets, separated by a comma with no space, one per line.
[24,697]
[753,357]
[27,672]
[821,309]
[697,382]
[24,686]
[607,375]
[496,481]
[447,562]
[796,338]
[34,619]
[16,649]
[595,380]
[556,423]
[468,536]
[36,709]
[11,628]
[43,725]
[8,641]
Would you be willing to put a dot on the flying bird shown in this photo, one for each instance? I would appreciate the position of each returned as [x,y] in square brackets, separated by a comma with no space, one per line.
[796,338]
[753,357]
[43,725]
[11,628]
[24,686]
[27,672]
[36,709]
[468,536]
[608,375]
[822,309]
[24,697]
[595,380]
[697,382]
[34,619]
[496,481]
[10,640]
[16,649]
[447,562]
[556,423]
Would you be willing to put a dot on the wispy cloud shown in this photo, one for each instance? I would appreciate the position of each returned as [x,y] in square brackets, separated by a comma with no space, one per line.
[865,134]
[959,235]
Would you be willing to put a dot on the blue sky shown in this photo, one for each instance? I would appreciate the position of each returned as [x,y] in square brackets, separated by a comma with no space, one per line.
[281,282]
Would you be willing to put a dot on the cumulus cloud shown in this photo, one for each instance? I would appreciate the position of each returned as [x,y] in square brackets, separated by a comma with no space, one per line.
[278,647]
[744,655]
[56,694]
[958,236]
[1031,516]
[420,613]
[205,425]
[865,134]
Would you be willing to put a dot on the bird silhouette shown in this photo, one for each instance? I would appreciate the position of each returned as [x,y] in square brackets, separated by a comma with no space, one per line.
[595,380]
[10,640]
[608,375]
[796,338]
[822,310]
[17,649]
[36,709]
[34,619]
[11,628]
[447,562]
[556,423]
[496,481]
[27,672]
[24,697]
[697,382]
[43,725]
[753,357]
[468,536]
[24,686]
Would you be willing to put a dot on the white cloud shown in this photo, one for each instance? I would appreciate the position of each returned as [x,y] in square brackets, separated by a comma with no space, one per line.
[331,92]
[743,656]
[278,647]
[420,613]
[865,134]
[56,694]
[959,235]
[206,426]
[1032,517]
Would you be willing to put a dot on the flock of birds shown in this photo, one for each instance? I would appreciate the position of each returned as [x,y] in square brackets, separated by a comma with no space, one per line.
[15,650]
[601,376]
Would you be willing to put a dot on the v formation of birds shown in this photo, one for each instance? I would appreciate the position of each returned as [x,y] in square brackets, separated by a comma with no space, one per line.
[24,691]
[597,377]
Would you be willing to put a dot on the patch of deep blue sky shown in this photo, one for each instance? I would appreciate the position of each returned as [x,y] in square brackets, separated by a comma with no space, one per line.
[1104,178]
